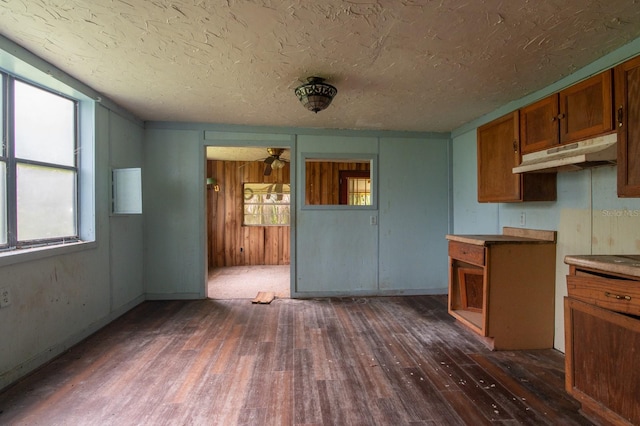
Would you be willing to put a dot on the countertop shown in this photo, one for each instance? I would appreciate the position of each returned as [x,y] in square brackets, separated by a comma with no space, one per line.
[509,236]
[625,264]
[487,240]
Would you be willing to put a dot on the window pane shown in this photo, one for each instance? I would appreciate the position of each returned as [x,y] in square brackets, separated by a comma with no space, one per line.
[3,203]
[46,199]
[266,204]
[359,191]
[44,126]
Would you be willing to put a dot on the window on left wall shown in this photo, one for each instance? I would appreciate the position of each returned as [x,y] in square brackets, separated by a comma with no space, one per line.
[38,166]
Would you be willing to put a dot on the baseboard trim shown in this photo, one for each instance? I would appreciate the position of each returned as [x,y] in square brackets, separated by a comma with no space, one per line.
[369,293]
[174,296]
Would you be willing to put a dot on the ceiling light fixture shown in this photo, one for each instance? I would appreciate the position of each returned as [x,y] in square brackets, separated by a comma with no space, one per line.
[277,164]
[316,95]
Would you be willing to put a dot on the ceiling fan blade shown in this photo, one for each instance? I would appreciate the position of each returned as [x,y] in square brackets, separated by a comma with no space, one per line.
[267,170]
[269,160]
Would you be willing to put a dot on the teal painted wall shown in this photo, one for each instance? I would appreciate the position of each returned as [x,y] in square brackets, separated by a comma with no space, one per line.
[414,214]
[61,295]
[173,202]
[337,248]
[125,231]
[588,215]
[334,251]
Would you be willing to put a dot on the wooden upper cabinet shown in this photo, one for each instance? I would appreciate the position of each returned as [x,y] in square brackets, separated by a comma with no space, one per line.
[498,153]
[539,125]
[586,108]
[627,102]
[579,112]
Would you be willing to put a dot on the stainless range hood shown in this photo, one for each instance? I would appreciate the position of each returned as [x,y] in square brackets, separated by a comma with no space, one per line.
[576,156]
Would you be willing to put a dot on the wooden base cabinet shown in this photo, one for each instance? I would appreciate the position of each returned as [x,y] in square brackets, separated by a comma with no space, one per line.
[502,288]
[602,336]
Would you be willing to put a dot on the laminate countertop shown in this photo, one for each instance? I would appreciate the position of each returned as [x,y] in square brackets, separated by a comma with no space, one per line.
[625,264]
[487,240]
[509,236]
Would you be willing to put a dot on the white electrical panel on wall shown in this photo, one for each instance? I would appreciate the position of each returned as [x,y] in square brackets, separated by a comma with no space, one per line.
[127,191]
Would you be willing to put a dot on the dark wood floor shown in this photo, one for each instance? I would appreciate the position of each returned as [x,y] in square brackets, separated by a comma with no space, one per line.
[347,361]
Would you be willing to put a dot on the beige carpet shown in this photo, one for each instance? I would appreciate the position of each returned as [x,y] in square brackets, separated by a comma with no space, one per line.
[244,282]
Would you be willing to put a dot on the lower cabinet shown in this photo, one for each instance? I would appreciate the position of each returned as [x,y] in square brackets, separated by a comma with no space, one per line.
[502,288]
[602,337]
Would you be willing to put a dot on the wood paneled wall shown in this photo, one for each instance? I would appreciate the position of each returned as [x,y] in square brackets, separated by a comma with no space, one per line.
[323,180]
[228,242]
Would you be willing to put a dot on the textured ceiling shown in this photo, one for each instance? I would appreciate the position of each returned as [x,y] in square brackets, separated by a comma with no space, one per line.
[428,65]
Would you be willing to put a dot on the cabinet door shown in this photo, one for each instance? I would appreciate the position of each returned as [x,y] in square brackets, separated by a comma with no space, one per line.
[586,109]
[498,154]
[601,361]
[627,101]
[498,146]
[539,125]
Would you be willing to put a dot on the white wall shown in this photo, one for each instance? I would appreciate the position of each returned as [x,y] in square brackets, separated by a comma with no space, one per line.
[588,215]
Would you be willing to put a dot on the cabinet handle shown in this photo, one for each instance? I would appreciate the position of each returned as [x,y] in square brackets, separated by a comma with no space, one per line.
[620,116]
[515,146]
[617,296]
[561,116]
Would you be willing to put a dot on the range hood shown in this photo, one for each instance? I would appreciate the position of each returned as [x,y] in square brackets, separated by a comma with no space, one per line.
[576,156]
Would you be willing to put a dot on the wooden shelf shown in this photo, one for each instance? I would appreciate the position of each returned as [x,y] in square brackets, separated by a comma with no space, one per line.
[473,319]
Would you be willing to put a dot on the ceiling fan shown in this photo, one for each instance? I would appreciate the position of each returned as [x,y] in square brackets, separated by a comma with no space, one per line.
[273,161]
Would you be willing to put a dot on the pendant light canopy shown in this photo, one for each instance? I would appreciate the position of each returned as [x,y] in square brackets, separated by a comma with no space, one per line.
[315,95]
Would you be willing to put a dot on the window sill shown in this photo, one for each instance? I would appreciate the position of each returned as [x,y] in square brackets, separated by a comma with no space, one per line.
[30,254]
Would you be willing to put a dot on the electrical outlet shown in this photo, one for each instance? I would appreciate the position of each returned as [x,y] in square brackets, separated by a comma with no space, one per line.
[523,219]
[5,297]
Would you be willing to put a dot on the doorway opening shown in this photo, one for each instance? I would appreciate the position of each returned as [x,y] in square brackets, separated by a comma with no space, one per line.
[248,231]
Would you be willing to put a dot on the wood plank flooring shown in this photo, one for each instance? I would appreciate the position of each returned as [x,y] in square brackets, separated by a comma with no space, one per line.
[338,361]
